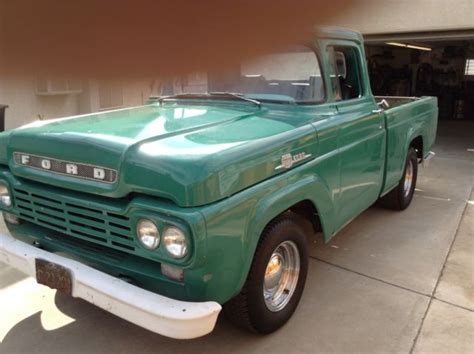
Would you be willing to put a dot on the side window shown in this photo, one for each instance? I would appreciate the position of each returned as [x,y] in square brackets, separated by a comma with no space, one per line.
[345,72]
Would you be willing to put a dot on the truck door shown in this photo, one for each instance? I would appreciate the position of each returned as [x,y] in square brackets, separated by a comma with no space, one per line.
[361,132]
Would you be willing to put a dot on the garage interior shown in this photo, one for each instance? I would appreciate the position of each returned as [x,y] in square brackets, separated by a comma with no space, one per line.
[425,64]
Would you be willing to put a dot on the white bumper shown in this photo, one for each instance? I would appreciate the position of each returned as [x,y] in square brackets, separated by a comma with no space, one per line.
[159,314]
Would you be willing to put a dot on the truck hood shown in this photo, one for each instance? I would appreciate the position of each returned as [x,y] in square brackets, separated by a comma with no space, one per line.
[193,153]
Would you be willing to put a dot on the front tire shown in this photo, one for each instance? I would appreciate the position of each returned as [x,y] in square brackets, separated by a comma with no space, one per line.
[276,279]
[400,197]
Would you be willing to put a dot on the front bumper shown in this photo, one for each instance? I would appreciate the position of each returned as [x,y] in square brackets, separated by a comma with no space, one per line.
[159,314]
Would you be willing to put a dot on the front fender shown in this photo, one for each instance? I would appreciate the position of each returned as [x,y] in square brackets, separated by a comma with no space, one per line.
[310,188]
[234,225]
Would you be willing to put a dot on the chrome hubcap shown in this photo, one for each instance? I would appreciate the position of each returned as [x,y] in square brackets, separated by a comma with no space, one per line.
[281,276]
[408,179]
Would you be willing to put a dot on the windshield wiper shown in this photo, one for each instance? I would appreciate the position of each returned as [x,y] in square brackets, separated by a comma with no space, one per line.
[209,95]
[238,96]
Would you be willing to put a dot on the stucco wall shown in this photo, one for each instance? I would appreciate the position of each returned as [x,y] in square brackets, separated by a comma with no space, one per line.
[25,106]
[392,16]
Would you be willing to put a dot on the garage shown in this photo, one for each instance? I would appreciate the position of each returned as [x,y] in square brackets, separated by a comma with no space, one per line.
[437,64]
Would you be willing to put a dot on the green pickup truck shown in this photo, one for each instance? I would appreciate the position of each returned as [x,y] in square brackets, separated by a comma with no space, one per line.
[205,197]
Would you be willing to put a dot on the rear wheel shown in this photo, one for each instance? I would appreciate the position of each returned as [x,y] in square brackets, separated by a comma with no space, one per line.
[276,279]
[401,197]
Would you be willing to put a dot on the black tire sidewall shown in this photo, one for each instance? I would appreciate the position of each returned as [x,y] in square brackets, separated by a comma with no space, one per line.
[262,319]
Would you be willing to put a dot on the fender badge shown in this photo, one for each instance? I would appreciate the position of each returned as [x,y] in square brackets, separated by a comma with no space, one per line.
[288,160]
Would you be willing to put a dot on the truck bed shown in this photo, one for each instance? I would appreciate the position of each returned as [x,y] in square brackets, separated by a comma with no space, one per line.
[407,118]
[395,101]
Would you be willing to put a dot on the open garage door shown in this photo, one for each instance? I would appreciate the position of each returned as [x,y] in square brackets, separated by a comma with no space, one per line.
[437,64]
[459,35]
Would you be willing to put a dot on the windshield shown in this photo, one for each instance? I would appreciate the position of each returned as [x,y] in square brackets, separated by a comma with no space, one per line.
[293,76]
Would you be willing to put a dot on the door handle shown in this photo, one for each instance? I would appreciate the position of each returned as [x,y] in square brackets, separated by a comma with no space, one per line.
[378,111]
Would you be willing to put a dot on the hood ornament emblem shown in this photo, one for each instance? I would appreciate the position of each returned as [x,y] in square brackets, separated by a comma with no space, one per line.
[67,168]
[288,160]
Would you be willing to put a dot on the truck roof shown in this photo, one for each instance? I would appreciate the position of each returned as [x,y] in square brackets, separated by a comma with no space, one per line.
[339,33]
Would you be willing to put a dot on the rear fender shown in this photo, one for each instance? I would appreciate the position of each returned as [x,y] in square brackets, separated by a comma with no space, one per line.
[412,133]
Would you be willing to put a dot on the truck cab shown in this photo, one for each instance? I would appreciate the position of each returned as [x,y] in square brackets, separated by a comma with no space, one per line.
[205,196]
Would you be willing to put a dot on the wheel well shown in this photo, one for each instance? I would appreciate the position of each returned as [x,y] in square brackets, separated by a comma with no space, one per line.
[417,143]
[308,210]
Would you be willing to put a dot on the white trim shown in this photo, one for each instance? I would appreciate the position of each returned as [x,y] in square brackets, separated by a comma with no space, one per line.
[420,36]
[157,313]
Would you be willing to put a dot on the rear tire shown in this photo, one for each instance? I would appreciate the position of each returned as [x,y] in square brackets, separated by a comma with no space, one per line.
[276,278]
[401,196]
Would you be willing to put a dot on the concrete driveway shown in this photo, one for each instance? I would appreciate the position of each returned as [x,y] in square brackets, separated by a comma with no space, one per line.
[389,282]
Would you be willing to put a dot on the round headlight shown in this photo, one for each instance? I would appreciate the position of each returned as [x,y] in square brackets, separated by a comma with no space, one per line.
[175,242]
[5,198]
[148,234]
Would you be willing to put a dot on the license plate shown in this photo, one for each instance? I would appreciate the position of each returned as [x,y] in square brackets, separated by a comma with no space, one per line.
[53,275]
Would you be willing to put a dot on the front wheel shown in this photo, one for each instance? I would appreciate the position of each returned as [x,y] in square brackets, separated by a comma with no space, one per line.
[401,197]
[276,279]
